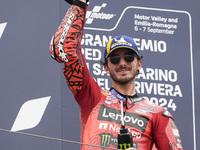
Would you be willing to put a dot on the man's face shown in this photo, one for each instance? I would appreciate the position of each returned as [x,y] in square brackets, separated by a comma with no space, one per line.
[124,71]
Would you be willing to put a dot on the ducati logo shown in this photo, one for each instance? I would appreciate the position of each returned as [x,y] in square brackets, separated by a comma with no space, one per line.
[2,28]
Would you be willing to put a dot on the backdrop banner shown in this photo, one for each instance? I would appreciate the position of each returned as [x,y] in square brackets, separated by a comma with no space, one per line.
[36,104]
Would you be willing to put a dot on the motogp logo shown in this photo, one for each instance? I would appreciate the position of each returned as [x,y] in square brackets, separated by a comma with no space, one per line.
[96,14]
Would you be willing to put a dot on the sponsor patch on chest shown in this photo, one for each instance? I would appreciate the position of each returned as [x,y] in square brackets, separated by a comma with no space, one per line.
[131,119]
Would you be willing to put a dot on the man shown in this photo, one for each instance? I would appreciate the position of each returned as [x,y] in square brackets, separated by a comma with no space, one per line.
[101,111]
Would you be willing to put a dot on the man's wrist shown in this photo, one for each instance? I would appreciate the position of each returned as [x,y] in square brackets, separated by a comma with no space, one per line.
[80,3]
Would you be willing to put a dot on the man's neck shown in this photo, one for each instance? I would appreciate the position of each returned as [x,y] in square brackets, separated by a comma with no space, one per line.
[125,89]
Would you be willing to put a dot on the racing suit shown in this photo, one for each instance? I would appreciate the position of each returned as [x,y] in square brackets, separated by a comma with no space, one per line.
[100,110]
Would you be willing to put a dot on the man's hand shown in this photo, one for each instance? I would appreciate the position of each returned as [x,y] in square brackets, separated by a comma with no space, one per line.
[84,1]
[132,148]
[71,1]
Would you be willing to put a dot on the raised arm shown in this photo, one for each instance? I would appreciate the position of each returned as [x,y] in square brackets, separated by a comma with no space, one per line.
[65,45]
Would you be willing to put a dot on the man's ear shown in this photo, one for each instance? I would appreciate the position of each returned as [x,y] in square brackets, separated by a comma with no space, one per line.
[139,64]
[106,68]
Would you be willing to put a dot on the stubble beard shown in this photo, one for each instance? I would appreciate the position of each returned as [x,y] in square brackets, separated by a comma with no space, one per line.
[123,80]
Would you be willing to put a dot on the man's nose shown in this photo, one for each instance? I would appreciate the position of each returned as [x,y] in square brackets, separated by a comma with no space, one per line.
[122,61]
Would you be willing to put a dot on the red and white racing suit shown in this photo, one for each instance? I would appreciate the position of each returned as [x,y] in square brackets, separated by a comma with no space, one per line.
[99,109]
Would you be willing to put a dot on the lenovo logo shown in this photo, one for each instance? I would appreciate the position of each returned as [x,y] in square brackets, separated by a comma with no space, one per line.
[2,28]
[131,119]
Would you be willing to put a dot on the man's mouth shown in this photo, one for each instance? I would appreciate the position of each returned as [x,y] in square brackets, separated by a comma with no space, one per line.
[122,69]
